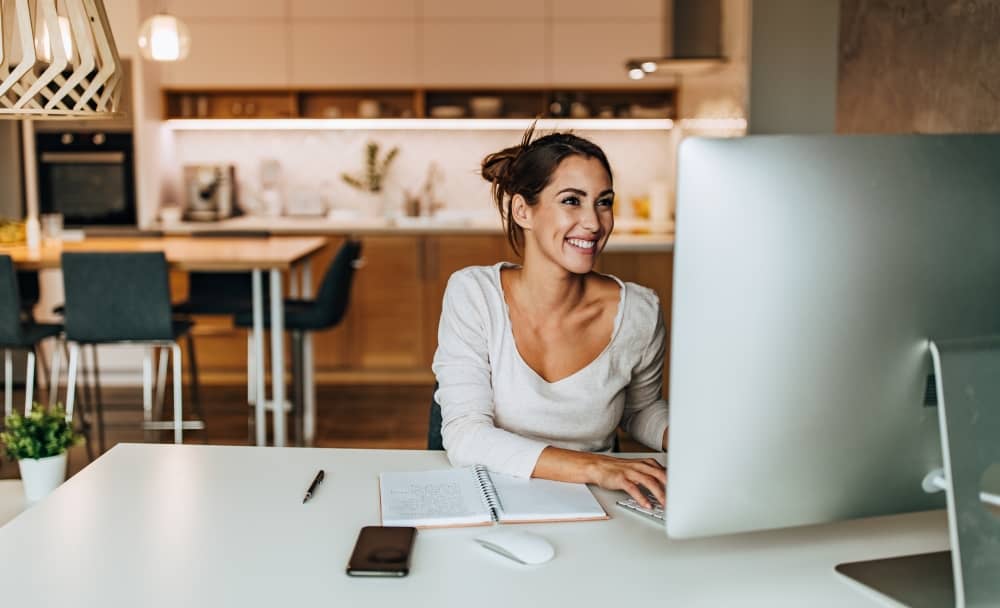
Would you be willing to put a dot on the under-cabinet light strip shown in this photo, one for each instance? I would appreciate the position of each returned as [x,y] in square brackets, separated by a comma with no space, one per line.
[416,124]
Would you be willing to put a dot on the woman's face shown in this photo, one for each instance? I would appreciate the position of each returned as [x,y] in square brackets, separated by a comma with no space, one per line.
[573,218]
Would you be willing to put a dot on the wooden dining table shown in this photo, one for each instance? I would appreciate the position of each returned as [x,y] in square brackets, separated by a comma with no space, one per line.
[275,255]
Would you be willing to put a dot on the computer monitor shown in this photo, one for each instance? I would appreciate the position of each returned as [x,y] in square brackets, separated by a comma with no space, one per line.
[809,274]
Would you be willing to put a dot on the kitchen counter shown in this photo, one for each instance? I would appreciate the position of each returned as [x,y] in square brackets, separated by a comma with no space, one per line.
[626,238]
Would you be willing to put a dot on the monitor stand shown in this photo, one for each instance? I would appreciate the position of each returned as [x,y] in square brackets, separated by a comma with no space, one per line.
[968,391]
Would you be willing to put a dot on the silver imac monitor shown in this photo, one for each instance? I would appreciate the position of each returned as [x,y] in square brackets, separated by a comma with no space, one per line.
[809,274]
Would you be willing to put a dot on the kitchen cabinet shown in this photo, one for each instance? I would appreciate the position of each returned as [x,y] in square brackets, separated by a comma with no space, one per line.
[353,9]
[230,54]
[594,53]
[470,53]
[227,9]
[346,54]
[389,334]
[602,10]
[510,10]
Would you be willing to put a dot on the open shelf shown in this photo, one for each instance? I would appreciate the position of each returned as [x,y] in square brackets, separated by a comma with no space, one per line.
[430,103]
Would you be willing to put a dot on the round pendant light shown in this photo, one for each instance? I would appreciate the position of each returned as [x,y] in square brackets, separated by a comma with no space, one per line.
[164,37]
[57,60]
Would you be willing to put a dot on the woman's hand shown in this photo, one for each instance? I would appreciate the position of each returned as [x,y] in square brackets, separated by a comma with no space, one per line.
[608,472]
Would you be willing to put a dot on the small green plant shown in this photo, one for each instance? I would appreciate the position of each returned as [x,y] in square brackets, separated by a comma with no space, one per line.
[375,170]
[42,433]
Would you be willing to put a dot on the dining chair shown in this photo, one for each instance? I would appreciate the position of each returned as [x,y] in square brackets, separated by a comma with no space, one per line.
[326,311]
[124,298]
[19,333]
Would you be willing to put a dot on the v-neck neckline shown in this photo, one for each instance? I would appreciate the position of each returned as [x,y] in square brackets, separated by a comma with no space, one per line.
[619,315]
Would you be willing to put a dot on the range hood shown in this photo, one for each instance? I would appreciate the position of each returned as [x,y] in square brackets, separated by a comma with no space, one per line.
[694,32]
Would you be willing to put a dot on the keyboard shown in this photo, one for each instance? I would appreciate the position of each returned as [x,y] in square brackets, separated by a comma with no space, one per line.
[656,513]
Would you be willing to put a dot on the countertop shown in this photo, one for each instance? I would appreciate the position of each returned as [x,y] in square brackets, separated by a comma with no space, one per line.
[629,236]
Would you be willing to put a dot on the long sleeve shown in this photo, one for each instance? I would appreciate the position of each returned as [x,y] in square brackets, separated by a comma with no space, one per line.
[646,414]
[463,371]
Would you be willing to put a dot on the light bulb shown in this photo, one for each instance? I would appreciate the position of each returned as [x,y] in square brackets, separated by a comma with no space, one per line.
[648,66]
[164,38]
[636,73]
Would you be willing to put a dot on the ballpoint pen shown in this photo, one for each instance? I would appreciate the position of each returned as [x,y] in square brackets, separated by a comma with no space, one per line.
[312,487]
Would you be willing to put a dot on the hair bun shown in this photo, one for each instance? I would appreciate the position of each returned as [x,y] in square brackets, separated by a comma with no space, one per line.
[496,166]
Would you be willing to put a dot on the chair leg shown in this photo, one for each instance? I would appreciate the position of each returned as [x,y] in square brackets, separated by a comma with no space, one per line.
[98,400]
[195,391]
[147,386]
[251,371]
[42,373]
[297,392]
[160,395]
[74,356]
[55,369]
[175,349]
[8,384]
[29,382]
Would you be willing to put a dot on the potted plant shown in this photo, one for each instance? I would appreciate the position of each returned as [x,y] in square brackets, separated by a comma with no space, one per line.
[372,179]
[38,442]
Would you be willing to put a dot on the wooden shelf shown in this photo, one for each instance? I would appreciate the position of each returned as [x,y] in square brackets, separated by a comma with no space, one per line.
[453,103]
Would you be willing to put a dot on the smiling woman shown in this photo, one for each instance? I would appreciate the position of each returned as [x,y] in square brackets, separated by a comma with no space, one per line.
[538,363]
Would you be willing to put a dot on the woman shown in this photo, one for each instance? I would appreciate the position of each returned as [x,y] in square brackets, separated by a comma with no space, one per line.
[538,364]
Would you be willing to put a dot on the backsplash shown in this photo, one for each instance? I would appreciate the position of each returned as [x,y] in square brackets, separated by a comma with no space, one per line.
[312,162]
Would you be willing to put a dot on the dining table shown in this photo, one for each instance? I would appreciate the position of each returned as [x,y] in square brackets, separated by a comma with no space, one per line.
[272,254]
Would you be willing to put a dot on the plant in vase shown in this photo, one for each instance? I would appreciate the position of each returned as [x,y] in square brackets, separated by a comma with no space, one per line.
[38,442]
[372,178]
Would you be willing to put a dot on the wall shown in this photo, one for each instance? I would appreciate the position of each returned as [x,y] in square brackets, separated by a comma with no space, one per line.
[919,67]
[11,197]
[314,160]
[793,66]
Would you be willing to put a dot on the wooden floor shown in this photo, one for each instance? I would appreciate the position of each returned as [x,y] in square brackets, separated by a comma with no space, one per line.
[347,417]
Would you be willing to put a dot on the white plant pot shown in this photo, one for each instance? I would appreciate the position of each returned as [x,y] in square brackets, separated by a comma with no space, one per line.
[42,475]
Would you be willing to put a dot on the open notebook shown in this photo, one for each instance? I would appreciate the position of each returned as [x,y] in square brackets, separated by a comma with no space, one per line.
[474,496]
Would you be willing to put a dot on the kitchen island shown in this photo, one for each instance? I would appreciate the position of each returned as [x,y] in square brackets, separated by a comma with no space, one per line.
[389,334]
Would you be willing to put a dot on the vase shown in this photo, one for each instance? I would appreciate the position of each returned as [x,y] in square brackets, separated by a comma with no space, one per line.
[42,475]
[370,204]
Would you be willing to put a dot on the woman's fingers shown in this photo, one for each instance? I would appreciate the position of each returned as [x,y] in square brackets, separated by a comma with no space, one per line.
[652,485]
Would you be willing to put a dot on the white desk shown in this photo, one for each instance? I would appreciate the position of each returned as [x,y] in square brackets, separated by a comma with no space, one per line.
[157,525]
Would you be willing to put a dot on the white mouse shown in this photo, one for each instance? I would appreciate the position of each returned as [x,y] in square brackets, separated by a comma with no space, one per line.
[520,546]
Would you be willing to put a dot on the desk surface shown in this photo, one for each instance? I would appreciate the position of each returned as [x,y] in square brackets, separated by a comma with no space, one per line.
[158,525]
[185,253]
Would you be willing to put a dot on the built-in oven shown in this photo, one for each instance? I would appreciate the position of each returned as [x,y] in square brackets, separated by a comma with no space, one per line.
[87,176]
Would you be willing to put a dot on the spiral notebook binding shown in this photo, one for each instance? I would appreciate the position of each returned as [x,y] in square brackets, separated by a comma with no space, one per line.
[488,491]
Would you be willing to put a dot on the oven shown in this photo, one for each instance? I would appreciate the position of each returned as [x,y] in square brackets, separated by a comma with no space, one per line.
[87,176]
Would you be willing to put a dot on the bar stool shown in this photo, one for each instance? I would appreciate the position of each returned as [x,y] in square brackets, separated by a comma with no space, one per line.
[124,298]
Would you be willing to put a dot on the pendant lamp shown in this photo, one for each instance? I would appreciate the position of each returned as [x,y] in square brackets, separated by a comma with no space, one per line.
[57,60]
[164,37]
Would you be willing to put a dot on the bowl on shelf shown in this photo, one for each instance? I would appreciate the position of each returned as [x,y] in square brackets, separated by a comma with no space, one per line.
[447,112]
[486,107]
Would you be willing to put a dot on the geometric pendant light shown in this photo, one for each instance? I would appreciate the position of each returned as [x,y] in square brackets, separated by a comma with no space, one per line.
[58,59]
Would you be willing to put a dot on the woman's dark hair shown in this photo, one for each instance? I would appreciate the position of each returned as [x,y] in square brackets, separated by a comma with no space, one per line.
[527,168]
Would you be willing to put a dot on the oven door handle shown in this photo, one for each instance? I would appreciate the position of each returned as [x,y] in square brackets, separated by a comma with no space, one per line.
[103,158]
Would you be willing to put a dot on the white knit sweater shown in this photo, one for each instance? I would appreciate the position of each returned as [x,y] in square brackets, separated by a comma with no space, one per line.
[499,412]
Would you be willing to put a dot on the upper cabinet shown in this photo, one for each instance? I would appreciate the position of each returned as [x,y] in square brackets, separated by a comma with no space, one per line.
[345,54]
[594,53]
[256,44]
[232,54]
[473,53]
[353,9]
[228,9]
[464,9]
[602,9]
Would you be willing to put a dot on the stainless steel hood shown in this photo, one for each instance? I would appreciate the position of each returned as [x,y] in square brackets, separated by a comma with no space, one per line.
[694,41]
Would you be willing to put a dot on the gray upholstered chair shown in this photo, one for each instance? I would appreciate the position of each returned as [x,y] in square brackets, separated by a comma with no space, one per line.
[124,298]
[19,333]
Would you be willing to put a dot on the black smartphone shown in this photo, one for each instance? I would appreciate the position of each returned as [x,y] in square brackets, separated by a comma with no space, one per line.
[382,551]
